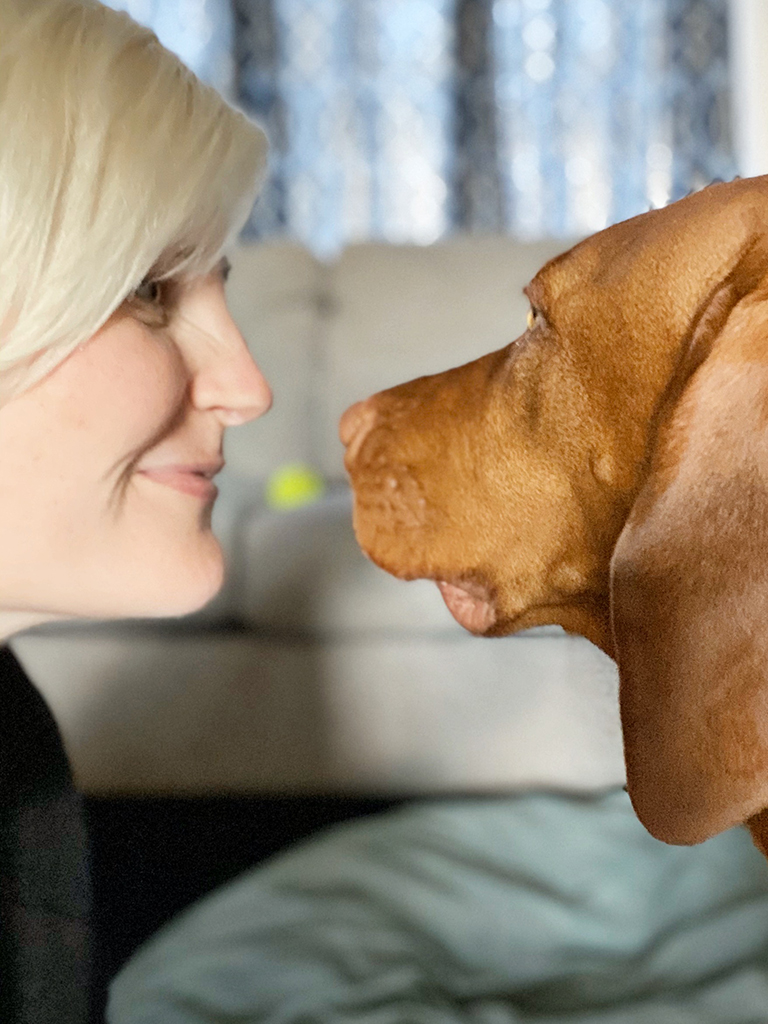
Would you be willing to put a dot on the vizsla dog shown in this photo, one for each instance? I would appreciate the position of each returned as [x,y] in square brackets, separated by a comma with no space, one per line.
[608,472]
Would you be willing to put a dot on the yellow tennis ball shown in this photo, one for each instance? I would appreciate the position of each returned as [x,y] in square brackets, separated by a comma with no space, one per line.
[293,485]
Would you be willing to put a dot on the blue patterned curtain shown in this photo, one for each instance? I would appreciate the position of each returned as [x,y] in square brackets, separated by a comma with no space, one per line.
[405,120]
[607,109]
[357,98]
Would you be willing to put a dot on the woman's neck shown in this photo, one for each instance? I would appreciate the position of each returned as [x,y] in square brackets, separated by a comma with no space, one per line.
[12,622]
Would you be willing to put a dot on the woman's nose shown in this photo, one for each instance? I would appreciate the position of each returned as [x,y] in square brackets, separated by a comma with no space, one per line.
[233,386]
[225,376]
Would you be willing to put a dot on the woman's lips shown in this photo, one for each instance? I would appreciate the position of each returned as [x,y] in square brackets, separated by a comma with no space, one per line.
[193,480]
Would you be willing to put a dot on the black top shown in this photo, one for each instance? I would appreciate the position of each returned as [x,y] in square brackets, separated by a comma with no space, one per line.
[44,880]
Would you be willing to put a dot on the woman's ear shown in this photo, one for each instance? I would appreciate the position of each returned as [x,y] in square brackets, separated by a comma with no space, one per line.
[689,590]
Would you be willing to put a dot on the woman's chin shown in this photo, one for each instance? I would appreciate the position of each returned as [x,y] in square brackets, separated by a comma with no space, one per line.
[188,596]
[134,603]
[185,579]
[177,590]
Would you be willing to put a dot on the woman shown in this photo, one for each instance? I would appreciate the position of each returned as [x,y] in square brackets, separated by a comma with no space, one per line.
[122,180]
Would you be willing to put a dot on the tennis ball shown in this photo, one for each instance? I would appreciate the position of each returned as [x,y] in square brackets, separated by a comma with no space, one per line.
[293,485]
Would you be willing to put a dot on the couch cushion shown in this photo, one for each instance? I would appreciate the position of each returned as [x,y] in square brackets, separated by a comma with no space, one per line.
[303,571]
[398,312]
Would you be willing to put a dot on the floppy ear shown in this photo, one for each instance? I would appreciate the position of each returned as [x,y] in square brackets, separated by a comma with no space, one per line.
[689,585]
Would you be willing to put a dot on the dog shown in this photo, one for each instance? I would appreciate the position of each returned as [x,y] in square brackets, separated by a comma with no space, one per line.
[607,472]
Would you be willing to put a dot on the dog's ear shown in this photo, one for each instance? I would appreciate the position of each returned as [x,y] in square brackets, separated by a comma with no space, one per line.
[689,582]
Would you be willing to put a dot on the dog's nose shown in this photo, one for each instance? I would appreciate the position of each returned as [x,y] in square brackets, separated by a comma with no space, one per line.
[354,426]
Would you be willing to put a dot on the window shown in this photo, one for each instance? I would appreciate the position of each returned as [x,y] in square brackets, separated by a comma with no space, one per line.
[405,120]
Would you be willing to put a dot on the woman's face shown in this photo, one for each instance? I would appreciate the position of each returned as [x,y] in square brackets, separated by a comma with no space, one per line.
[105,464]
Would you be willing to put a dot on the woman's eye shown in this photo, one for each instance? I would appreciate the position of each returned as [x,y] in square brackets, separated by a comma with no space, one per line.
[532,314]
[152,301]
[149,291]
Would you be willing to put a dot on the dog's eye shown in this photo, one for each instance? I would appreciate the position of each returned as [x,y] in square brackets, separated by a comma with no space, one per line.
[533,317]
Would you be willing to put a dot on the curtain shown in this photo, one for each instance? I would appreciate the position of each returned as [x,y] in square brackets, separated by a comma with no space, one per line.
[406,120]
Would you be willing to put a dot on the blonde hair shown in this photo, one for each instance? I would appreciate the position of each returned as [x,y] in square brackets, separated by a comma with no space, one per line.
[116,163]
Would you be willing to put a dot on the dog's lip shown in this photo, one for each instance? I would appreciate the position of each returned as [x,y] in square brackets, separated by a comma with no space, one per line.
[469,598]
[470,602]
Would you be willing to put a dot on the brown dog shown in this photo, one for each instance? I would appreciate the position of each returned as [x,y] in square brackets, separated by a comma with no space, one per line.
[608,472]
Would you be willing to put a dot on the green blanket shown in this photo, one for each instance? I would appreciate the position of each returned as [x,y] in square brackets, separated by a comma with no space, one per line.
[538,908]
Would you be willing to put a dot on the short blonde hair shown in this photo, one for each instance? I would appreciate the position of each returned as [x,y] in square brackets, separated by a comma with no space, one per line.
[116,163]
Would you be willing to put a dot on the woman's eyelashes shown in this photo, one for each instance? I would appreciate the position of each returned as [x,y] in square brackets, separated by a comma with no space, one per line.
[152,301]
[149,291]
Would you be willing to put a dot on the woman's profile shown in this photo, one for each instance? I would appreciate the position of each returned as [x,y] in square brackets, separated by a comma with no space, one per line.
[122,181]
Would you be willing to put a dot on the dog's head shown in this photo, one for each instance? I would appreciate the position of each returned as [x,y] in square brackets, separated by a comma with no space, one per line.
[608,472]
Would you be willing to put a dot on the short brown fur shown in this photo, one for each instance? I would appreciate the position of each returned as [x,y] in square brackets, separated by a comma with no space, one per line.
[608,472]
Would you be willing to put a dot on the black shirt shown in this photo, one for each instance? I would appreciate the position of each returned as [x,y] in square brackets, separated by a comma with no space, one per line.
[44,880]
